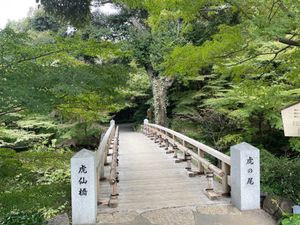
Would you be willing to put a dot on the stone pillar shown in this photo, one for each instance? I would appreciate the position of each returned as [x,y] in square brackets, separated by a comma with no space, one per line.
[245,176]
[84,188]
[112,122]
[145,128]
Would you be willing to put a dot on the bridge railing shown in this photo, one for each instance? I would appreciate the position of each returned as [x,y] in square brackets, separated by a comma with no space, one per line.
[102,151]
[87,169]
[193,151]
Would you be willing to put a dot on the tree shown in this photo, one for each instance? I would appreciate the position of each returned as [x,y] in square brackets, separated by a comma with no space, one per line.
[54,76]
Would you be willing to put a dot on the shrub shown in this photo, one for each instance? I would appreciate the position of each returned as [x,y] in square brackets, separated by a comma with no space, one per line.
[280,176]
[9,164]
[35,198]
[23,218]
[292,220]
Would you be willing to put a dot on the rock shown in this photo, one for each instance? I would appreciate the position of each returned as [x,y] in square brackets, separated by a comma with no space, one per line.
[59,220]
[286,205]
[275,206]
[270,205]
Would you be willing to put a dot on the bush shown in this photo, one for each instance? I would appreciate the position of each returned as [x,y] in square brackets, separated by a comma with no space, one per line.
[280,176]
[35,198]
[33,181]
[9,164]
[23,218]
[292,220]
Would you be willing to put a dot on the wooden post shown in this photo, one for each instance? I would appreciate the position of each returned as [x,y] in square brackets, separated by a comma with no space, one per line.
[188,159]
[162,140]
[200,166]
[113,172]
[167,144]
[184,152]
[225,186]
[112,123]
[175,152]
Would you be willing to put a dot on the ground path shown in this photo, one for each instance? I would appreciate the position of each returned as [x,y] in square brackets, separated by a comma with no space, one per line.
[155,190]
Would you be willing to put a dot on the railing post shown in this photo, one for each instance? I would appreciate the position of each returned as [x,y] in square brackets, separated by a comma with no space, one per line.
[84,188]
[185,154]
[174,147]
[145,130]
[112,123]
[188,159]
[175,152]
[162,140]
[225,185]
[245,176]
[200,166]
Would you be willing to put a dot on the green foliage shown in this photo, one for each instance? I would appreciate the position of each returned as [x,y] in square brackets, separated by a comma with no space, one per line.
[16,138]
[53,72]
[295,144]
[291,220]
[187,60]
[35,198]
[9,165]
[24,218]
[77,11]
[36,180]
[43,23]
[280,176]
[37,123]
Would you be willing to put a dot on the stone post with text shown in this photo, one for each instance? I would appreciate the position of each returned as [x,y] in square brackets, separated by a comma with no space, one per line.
[83,185]
[245,176]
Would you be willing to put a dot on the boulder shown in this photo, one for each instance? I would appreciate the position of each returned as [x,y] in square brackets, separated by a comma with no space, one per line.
[276,206]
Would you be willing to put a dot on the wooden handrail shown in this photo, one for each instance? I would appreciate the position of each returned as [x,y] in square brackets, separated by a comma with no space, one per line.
[108,146]
[113,169]
[172,138]
[213,152]
[101,153]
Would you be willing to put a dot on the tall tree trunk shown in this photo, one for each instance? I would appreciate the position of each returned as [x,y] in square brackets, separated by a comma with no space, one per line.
[160,86]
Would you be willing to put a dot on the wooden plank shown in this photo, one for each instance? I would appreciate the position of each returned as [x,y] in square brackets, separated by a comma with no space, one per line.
[149,178]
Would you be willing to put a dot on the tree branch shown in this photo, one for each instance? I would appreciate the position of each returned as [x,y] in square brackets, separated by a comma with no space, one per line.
[234,52]
[261,54]
[33,58]
[285,9]
[14,110]
[289,42]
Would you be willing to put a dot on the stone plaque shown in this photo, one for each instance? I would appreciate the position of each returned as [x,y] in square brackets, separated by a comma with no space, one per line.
[245,176]
[83,185]
[291,120]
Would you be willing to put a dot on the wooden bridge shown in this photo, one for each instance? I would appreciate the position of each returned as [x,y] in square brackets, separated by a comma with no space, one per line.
[149,178]
[154,169]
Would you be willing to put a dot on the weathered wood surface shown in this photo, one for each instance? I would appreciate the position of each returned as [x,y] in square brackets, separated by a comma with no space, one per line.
[150,179]
[181,142]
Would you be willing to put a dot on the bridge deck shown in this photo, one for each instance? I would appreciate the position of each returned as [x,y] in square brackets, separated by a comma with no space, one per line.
[156,191]
[149,178]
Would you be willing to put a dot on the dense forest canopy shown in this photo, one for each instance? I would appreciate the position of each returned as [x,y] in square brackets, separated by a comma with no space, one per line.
[218,71]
